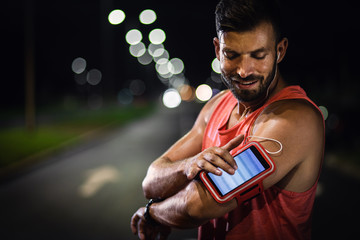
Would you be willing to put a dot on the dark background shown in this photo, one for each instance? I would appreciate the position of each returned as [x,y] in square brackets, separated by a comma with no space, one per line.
[322,56]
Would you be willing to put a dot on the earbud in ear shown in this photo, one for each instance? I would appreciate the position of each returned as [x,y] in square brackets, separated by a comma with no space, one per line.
[278,56]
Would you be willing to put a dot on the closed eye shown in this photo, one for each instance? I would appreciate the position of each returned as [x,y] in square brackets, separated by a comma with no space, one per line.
[231,54]
[258,56]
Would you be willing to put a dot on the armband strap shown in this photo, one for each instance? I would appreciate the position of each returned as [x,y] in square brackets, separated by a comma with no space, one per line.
[250,193]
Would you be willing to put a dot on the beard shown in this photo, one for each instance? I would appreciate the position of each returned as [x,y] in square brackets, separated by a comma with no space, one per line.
[245,95]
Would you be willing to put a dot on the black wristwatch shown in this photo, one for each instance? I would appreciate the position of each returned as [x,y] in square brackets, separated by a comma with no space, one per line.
[147,216]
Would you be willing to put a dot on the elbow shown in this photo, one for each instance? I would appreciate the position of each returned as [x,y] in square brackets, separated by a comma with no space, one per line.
[147,189]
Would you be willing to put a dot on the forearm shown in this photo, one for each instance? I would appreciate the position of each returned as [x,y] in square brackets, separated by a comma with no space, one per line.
[164,178]
[189,208]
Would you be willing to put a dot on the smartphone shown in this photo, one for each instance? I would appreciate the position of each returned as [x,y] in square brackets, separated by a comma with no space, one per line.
[254,164]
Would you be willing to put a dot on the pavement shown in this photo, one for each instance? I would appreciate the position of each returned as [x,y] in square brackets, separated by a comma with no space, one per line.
[90,192]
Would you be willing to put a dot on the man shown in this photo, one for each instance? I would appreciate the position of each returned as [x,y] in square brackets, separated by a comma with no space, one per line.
[260,106]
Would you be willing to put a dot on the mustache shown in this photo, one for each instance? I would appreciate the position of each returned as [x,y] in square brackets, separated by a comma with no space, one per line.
[237,78]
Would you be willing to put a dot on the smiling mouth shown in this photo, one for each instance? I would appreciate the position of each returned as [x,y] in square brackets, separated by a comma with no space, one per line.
[248,83]
[245,84]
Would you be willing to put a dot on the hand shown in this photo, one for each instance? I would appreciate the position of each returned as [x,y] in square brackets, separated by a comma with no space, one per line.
[213,158]
[147,231]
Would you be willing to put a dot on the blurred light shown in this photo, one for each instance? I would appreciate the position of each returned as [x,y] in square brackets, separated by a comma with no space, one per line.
[133,37]
[116,17]
[147,16]
[162,68]
[187,93]
[177,81]
[163,79]
[324,111]
[145,59]
[137,50]
[97,178]
[137,87]
[215,65]
[125,97]
[157,36]
[164,55]
[93,77]
[203,92]
[78,65]
[171,98]
[156,50]
[176,66]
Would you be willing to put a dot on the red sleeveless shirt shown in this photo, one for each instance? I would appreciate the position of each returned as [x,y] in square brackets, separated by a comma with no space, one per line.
[276,213]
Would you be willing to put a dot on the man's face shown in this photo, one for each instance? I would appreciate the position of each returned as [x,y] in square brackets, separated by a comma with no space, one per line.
[248,61]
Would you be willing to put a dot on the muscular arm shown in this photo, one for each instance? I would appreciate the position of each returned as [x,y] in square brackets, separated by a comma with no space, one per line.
[176,167]
[297,126]
[189,208]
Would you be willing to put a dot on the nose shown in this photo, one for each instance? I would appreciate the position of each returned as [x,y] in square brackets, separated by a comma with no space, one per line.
[244,67]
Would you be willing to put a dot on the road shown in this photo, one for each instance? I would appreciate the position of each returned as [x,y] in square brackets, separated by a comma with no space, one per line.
[91,192]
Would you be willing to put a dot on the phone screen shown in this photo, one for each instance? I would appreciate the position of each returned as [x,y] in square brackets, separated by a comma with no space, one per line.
[250,163]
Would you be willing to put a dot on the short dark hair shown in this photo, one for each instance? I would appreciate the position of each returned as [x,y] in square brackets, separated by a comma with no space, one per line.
[245,15]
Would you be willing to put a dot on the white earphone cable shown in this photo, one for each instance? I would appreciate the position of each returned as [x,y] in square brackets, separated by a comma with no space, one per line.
[269,139]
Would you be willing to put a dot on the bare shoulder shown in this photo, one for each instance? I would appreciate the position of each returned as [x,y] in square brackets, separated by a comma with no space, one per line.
[210,106]
[294,115]
[298,125]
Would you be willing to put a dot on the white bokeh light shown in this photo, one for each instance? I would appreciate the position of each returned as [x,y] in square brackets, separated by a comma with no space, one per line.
[147,16]
[203,92]
[137,50]
[157,36]
[171,98]
[215,65]
[165,54]
[133,37]
[93,77]
[176,66]
[156,50]
[78,65]
[145,59]
[116,17]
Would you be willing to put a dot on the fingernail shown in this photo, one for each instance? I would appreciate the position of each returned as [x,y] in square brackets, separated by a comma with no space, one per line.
[218,172]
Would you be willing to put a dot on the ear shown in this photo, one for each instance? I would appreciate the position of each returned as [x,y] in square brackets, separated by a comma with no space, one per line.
[217,47]
[281,49]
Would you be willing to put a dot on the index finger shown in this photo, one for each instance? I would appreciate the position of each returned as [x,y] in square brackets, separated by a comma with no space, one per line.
[233,143]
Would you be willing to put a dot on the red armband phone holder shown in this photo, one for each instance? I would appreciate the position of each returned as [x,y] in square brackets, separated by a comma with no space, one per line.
[254,165]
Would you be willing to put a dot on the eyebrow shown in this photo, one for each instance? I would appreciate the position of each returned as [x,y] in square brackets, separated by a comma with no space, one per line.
[259,50]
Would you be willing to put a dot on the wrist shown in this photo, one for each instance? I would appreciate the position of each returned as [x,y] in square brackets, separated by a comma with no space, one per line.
[147,215]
